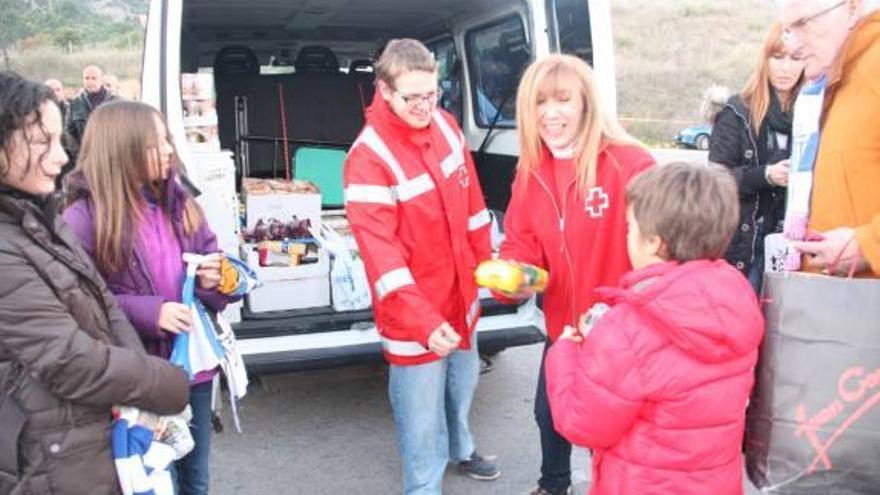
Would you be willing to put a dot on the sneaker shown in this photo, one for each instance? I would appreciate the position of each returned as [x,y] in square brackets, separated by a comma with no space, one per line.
[479,468]
[540,490]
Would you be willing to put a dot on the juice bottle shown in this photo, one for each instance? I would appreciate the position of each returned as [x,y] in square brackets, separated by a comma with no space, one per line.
[511,276]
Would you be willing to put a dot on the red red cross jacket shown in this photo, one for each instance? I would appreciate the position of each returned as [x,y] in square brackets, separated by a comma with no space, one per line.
[580,238]
[417,212]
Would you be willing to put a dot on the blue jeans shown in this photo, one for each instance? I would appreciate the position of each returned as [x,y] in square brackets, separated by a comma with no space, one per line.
[193,474]
[555,450]
[431,403]
[756,271]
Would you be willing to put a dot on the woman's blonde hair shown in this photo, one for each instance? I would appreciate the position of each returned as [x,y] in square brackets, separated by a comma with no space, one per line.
[756,93]
[597,127]
[115,161]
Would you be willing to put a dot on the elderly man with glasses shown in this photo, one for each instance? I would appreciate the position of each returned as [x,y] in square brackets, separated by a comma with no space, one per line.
[840,43]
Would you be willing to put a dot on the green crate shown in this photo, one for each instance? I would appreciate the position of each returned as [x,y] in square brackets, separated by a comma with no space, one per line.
[323,166]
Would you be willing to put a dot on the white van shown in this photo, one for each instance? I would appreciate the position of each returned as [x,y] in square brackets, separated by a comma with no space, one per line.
[319,54]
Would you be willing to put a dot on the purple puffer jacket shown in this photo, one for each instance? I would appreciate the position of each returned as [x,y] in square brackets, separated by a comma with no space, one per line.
[133,286]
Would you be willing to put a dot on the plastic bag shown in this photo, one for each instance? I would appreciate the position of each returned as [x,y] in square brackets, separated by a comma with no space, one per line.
[349,287]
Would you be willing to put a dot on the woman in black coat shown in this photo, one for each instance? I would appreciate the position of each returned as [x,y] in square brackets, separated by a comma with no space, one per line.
[751,136]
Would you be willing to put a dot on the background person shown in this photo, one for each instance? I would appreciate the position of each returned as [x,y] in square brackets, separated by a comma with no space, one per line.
[111,84]
[93,95]
[63,105]
[841,41]
[751,136]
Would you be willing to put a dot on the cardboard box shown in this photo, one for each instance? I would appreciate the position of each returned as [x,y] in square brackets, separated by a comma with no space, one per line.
[279,204]
[214,175]
[285,288]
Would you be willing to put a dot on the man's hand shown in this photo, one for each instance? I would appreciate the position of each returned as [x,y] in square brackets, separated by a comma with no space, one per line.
[836,252]
[777,174]
[175,318]
[444,340]
[208,272]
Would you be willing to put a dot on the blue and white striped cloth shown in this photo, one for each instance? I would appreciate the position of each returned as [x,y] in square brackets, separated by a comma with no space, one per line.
[142,463]
[211,343]
[202,349]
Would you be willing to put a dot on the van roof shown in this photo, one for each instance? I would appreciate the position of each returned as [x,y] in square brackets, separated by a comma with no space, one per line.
[353,28]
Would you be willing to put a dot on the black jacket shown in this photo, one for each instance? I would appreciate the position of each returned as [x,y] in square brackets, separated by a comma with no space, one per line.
[78,115]
[735,146]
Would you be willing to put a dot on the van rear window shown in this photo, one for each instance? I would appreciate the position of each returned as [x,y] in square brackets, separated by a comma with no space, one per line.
[572,19]
[497,55]
[450,75]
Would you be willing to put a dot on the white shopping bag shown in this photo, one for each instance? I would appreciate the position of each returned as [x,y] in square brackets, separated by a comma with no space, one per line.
[349,287]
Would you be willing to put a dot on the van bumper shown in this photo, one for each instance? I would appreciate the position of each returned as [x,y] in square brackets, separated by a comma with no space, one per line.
[297,344]
[343,355]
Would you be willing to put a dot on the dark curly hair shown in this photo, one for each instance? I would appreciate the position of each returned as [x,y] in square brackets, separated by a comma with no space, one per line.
[20,102]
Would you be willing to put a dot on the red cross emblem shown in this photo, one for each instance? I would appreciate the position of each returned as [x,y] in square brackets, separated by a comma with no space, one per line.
[596,202]
[463,177]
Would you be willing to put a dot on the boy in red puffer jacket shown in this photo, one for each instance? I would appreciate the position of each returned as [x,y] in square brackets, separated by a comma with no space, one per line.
[656,379]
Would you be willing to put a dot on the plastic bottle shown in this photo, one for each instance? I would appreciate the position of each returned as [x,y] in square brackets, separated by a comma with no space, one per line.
[511,276]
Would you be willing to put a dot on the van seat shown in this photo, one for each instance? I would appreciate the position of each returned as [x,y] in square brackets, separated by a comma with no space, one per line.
[236,59]
[362,65]
[323,166]
[316,60]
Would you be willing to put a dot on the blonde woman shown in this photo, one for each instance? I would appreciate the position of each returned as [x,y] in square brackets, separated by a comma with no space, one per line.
[133,216]
[752,138]
[567,212]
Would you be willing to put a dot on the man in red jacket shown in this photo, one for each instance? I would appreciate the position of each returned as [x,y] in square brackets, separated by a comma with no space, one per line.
[657,385]
[417,212]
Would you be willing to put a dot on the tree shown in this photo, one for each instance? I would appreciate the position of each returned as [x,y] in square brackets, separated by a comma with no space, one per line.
[67,38]
[16,23]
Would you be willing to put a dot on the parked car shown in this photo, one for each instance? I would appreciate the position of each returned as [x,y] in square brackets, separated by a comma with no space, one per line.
[695,136]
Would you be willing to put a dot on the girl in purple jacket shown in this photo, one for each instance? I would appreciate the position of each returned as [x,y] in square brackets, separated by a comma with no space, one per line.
[135,219]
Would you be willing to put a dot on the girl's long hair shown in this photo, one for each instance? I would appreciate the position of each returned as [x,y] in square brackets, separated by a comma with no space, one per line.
[541,79]
[115,159]
[756,93]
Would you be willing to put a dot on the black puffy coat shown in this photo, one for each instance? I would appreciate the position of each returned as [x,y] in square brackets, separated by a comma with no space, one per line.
[735,146]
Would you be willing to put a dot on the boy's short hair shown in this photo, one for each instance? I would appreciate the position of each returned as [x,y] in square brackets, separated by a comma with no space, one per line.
[693,208]
[404,55]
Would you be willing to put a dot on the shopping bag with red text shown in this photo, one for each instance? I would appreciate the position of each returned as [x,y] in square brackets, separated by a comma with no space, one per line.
[814,420]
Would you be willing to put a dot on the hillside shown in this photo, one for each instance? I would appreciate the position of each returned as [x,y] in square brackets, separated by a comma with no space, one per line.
[118,10]
[667,53]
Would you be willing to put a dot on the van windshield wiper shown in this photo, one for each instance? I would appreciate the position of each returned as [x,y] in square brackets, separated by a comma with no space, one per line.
[481,151]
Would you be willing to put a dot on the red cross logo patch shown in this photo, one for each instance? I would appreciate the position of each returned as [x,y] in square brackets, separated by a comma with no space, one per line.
[463,177]
[596,202]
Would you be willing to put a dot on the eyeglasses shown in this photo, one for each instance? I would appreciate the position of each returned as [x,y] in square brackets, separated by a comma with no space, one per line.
[413,100]
[802,23]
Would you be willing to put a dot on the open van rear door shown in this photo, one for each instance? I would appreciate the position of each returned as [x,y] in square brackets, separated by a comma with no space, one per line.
[583,29]
[161,61]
